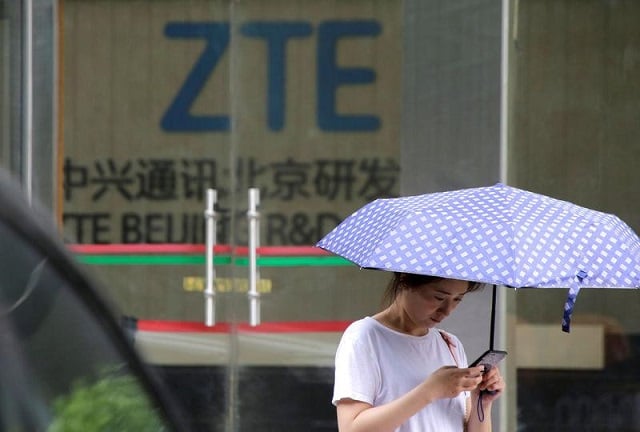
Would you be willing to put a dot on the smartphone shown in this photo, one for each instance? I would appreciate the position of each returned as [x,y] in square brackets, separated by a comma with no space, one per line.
[489,359]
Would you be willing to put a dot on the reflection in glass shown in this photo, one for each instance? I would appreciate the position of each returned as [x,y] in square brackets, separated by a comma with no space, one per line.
[59,369]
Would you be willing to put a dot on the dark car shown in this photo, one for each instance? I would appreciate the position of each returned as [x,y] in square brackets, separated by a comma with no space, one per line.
[66,363]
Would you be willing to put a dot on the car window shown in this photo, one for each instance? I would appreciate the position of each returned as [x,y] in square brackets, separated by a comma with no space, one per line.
[59,369]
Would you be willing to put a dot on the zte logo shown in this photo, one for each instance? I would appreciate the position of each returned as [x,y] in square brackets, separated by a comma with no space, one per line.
[276,35]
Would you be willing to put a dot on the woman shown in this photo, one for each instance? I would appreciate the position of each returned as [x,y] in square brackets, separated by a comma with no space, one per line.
[396,372]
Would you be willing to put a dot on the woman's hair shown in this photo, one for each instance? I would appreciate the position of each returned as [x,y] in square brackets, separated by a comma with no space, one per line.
[401,281]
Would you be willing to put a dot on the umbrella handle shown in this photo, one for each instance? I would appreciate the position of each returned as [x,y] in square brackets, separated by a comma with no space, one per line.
[493,318]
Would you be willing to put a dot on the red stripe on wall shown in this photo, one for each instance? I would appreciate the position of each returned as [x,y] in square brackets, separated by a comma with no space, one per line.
[174,248]
[291,251]
[105,249]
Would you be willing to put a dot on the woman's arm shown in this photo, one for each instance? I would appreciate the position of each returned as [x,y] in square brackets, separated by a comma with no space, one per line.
[446,382]
[479,421]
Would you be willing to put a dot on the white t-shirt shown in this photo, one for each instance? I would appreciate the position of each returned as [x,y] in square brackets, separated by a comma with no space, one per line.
[377,365]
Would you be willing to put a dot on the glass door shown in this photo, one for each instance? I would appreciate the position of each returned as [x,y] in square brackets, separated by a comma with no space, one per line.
[147,132]
[316,122]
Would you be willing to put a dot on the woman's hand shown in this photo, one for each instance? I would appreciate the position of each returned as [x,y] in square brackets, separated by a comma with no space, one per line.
[492,381]
[450,381]
[480,412]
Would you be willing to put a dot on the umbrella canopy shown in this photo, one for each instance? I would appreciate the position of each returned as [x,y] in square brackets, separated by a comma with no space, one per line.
[499,235]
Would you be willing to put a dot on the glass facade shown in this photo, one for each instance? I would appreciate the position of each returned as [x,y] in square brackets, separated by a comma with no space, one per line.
[27,95]
[128,112]
[574,135]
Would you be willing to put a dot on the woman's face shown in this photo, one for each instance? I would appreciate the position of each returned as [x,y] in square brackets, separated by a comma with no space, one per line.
[427,305]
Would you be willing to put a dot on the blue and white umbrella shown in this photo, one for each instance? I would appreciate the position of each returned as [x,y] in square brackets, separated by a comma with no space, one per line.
[497,235]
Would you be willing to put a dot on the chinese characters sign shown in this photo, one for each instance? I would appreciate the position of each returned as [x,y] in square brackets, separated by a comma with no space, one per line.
[166,100]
